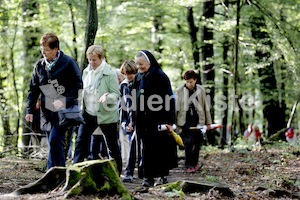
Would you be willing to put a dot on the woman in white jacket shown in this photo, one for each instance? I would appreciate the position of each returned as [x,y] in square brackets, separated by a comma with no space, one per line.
[100,108]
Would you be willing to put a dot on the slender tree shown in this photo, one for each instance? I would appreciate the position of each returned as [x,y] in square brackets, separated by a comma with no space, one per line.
[193,31]
[157,30]
[90,30]
[208,51]
[225,47]
[235,103]
[31,34]
[4,79]
[74,37]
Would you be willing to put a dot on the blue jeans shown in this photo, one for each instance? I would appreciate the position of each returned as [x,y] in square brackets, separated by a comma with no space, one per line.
[56,143]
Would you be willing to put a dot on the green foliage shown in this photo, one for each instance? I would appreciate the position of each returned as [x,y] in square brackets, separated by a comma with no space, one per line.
[211,178]
[128,26]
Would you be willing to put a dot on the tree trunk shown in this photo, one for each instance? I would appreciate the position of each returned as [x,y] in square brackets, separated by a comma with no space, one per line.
[157,29]
[208,53]
[15,133]
[225,81]
[7,135]
[193,30]
[75,51]
[238,94]
[31,34]
[90,30]
[273,111]
[235,72]
[4,80]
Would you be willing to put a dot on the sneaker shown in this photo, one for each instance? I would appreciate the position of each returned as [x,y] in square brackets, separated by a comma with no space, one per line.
[148,182]
[191,170]
[128,179]
[198,167]
[161,181]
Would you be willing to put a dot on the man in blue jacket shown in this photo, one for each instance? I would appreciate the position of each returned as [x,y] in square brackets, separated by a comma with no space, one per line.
[57,78]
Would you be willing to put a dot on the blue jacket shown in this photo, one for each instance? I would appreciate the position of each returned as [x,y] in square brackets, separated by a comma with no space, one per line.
[65,76]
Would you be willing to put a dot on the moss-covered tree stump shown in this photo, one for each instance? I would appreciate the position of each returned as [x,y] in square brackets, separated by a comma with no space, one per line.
[98,177]
[94,177]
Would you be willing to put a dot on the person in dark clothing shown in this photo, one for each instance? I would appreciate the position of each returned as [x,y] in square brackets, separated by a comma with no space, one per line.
[192,110]
[155,106]
[127,136]
[57,78]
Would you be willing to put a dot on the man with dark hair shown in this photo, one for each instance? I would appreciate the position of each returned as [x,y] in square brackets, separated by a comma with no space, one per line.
[190,74]
[192,111]
[57,78]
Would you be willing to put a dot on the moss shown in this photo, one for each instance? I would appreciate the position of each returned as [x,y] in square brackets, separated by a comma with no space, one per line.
[73,177]
[105,188]
[89,183]
[173,189]
[97,176]
[75,190]
[173,186]
[110,170]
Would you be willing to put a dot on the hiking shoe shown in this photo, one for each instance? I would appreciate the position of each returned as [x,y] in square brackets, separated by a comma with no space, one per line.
[191,170]
[198,167]
[161,181]
[128,179]
[148,182]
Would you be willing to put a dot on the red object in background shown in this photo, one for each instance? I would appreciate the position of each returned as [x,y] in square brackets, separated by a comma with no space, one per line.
[215,126]
[257,134]
[290,133]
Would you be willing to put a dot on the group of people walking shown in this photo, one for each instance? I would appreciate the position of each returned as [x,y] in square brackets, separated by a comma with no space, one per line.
[138,106]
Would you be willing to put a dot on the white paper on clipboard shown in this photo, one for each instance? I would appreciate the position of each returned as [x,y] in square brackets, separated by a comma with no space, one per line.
[50,92]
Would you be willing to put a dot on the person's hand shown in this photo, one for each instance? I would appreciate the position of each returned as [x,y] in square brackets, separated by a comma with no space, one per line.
[208,127]
[179,130]
[29,117]
[103,98]
[169,128]
[129,128]
[58,104]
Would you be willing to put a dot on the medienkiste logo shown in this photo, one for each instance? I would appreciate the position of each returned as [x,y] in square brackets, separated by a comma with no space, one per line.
[53,92]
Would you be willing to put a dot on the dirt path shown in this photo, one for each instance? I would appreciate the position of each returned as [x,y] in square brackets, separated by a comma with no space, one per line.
[271,173]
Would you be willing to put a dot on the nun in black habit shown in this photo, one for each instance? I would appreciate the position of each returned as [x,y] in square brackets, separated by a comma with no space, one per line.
[155,105]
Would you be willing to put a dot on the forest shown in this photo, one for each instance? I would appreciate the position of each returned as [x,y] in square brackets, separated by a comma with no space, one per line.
[246,53]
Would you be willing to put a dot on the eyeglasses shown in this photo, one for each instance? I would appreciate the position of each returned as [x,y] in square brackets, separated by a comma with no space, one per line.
[43,49]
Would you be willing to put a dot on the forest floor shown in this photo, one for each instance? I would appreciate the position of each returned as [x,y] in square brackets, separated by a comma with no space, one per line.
[270,172]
